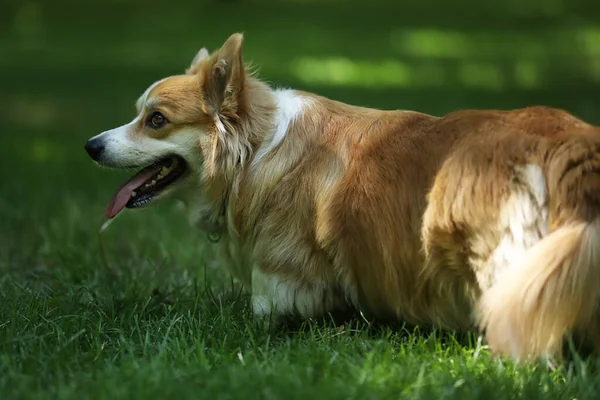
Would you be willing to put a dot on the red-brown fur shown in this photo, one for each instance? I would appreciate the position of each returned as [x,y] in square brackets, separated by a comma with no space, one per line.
[399,212]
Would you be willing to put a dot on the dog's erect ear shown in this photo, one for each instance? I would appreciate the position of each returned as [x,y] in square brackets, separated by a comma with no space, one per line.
[201,56]
[226,73]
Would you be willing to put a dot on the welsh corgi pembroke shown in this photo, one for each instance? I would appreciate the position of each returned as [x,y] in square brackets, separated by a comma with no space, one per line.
[480,220]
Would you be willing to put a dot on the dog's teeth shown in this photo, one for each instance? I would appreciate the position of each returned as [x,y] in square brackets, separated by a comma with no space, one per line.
[164,172]
[133,194]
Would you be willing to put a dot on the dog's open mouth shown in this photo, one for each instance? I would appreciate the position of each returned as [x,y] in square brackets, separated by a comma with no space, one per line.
[146,185]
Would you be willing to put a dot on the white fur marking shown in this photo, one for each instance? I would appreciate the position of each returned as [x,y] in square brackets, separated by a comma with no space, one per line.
[273,295]
[533,175]
[525,216]
[290,106]
[144,97]
[220,126]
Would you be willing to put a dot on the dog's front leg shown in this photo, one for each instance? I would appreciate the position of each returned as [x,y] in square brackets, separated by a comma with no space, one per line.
[278,296]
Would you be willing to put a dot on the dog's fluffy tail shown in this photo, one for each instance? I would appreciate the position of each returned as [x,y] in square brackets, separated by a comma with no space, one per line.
[554,289]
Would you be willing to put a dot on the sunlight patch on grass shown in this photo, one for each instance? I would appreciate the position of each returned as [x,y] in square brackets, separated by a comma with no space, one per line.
[455,44]
[342,71]
[527,74]
[431,43]
[450,44]
[480,75]
[590,41]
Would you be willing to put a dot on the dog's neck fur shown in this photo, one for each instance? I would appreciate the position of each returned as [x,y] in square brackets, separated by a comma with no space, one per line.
[254,123]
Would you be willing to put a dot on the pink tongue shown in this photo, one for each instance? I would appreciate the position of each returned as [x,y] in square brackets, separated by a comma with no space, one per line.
[123,193]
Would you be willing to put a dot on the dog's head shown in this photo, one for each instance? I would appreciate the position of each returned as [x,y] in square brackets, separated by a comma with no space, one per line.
[174,135]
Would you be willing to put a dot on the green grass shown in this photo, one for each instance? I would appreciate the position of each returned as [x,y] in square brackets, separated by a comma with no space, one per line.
[155,321]
[145,311]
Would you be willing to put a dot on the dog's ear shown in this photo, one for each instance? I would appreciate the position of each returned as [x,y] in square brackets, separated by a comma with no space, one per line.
[201,56]
[225,74]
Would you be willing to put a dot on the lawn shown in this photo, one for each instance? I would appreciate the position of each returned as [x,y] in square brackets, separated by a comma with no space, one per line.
[144,310]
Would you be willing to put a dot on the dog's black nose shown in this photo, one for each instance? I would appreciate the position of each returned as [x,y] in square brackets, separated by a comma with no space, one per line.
[94,148]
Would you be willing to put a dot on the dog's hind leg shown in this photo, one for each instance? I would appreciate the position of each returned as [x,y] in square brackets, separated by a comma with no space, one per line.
[551,290]
[478,224]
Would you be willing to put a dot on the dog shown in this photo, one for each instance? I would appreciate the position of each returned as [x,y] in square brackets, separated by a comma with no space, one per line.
[479,220]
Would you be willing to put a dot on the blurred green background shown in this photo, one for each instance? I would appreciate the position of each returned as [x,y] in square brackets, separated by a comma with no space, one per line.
[71,69]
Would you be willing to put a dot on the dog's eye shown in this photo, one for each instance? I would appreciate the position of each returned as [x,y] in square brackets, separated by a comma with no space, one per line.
[157,120]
